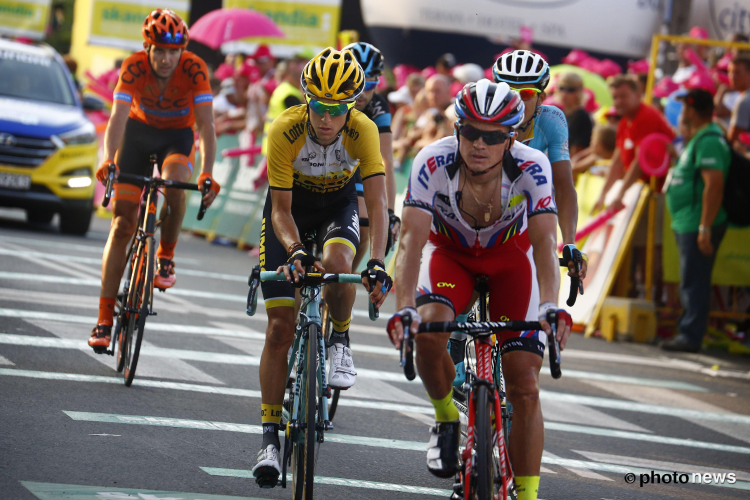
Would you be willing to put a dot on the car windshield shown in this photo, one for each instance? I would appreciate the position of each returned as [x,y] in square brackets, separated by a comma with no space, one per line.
[33,77]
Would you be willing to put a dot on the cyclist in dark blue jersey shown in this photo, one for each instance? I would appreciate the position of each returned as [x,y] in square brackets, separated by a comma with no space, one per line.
[376,108]
[544,128]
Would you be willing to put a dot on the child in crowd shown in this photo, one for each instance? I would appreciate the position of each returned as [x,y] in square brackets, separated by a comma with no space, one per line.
[597,157]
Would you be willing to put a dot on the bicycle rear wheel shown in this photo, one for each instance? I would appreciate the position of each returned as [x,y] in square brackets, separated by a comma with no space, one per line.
[327,328]
[142,287]
[303,457]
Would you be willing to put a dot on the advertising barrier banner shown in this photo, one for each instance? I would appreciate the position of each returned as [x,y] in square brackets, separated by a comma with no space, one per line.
[621,27]
[732,264]
[27,18]
[117,23]
[306,23]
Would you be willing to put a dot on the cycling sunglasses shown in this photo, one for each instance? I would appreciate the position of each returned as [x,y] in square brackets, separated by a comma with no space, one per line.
[370,85]
[528,94]
[489,137]
[320,108]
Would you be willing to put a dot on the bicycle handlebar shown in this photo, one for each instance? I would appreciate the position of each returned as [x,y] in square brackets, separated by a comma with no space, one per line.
[152,180]
[477,329]
[308,279]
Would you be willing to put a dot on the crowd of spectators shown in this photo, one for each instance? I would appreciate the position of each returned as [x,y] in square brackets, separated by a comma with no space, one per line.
[708,89]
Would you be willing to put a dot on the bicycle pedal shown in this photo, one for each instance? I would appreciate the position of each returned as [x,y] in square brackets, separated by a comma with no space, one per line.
[162,290]
[100,350]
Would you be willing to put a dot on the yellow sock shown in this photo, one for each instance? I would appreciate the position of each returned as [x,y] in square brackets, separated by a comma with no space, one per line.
[341,326]
[270,414]
[445,409]
[527,487]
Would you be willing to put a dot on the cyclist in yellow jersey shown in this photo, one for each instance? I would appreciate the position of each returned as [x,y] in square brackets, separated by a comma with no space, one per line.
[314,150]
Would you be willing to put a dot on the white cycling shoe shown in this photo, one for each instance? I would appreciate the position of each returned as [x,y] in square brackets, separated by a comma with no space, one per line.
[267,470]
[342,374]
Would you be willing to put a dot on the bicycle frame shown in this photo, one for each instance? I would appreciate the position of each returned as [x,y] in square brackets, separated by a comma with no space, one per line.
[484,376]
[311,315]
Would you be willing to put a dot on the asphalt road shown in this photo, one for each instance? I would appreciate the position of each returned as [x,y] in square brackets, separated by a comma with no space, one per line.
[189,428]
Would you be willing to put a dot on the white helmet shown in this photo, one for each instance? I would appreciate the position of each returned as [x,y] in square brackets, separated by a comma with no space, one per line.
[521,67]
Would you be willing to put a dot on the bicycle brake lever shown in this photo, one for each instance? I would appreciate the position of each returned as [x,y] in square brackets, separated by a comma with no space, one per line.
[252,296]
[407,348]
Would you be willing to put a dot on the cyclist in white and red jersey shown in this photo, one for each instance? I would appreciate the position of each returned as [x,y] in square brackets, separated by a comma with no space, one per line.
[480,203]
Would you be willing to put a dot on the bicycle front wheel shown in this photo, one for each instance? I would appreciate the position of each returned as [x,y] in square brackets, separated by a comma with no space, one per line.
[303,458]
[484,488]
[142,287]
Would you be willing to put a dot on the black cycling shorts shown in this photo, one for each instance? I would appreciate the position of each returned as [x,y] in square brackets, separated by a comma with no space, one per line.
[335,223]
[140,141]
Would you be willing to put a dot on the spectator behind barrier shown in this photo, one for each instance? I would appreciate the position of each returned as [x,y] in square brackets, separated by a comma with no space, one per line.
[726,96]
[598,156]
[431,125]
[694,197]
[569,93]
[739,79]
[638,121]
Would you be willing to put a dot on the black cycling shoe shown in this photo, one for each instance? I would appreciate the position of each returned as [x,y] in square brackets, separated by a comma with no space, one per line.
[442,450]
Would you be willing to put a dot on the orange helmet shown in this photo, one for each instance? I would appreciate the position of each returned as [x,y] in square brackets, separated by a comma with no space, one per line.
[164,28]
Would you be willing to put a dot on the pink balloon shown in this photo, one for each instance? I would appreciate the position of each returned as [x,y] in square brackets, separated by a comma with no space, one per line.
[653,156]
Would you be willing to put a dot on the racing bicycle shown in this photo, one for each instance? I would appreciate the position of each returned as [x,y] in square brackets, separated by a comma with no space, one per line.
[135,302]
[486,473]
[305,416]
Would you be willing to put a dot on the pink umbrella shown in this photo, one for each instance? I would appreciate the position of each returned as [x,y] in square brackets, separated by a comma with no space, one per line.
[225,25]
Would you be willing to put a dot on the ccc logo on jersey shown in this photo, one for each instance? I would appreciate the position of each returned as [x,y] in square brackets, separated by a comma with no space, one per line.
[194,70]
[133,71]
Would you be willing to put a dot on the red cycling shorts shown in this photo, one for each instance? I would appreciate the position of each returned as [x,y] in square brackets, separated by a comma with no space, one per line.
[448,275]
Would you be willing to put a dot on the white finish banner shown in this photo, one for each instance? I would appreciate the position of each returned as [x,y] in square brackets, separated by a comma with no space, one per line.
[616,26]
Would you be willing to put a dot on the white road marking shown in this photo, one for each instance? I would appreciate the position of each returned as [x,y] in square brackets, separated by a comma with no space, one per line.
[577,414]
[45,278]
[606,377]
[663,396]
[208,357]
[377,405]
[343,439]
[339,481]
[659,464]
[67,245]
[148,366]
[6,362]
[110,435]
[655,409]
[660,362]
[579,471]
[348,401]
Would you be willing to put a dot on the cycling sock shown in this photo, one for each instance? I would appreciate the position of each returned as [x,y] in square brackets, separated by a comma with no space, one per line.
[106,311]
[166,250]
[271,418]
[445,408]
[527,487]
[340,333]
[461,318]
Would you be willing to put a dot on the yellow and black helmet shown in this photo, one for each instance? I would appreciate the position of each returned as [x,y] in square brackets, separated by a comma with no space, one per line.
[334,74]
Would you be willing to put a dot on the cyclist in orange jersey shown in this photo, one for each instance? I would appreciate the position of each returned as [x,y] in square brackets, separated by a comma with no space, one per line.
[162,92]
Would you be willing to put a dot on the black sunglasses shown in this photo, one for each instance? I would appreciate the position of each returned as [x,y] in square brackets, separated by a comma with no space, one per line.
[489,137]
